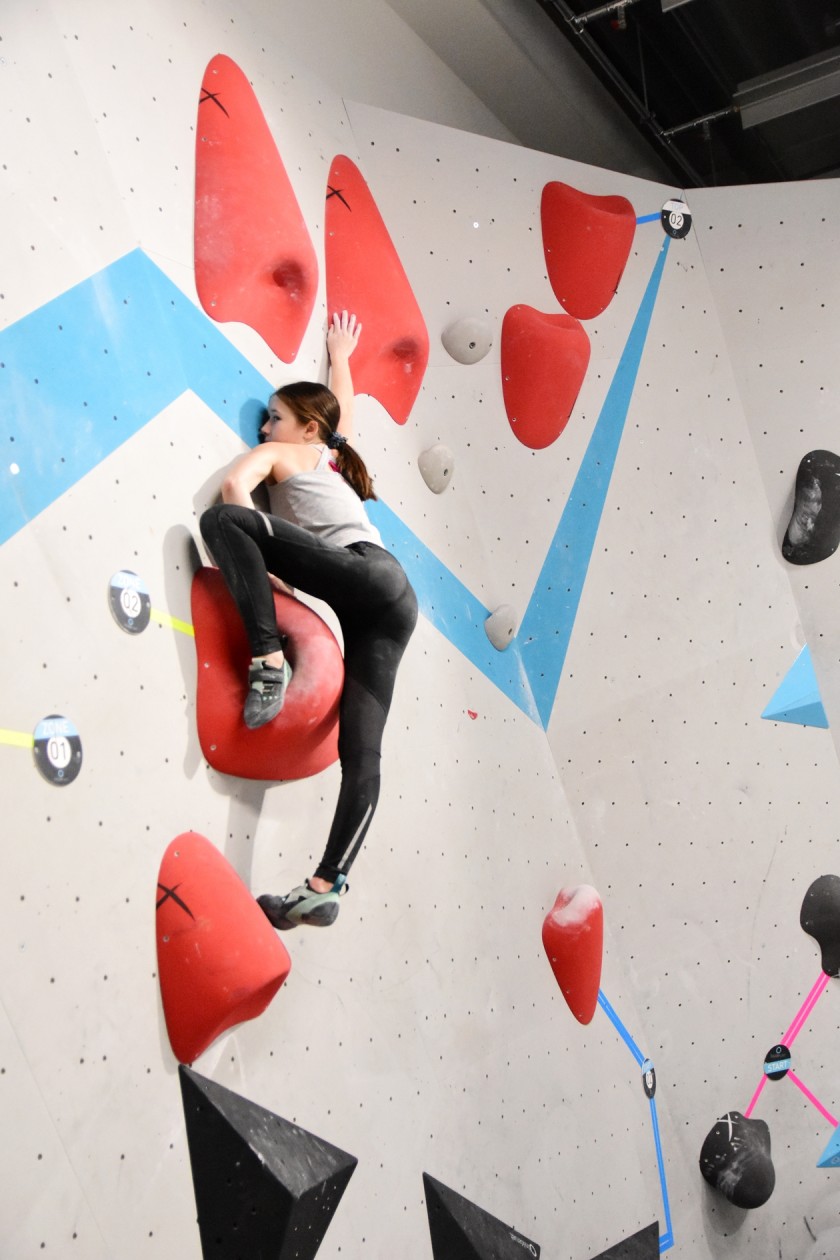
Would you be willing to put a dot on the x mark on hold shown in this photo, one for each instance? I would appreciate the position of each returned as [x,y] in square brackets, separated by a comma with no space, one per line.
[172,892]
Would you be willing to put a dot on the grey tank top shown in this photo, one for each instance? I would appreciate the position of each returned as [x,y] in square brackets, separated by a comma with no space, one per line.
[323,503]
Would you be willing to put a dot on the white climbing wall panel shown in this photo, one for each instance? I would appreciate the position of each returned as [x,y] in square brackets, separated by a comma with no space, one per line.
[424,1032]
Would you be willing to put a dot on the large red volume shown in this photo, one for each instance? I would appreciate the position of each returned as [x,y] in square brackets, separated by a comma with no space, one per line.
[587,242]
[220,962]
[254,259]
[303,738]
[573,939]
[365,275]
[544,360]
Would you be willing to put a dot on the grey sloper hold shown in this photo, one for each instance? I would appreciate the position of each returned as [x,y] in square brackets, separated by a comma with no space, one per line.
[501,626]
[820,918]
[814,530]
[467,340]
[735,1159]
[436,465]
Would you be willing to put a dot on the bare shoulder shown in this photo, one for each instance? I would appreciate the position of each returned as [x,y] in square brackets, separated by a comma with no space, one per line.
[290,458]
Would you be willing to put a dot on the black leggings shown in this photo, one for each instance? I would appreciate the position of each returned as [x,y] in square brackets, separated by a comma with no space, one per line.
[377,611]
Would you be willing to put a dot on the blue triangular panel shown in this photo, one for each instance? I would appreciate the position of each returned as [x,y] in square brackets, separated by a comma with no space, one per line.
[830,1157]
[797,698]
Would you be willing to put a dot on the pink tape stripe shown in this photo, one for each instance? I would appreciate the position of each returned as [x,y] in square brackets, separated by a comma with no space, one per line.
[820,1108]
[755,1097]
[805,1009]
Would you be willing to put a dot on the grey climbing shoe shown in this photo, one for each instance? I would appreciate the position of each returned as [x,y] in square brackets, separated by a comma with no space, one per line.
[266,692]
[301,905]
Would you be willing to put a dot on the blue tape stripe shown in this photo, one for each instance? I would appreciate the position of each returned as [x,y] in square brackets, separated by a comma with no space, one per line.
[666,1240]
[619,1027]
[547,626]
[649,218]
[83,374]
[453,609]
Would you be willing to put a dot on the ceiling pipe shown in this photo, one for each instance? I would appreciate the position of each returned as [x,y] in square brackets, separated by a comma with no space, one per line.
[624,90]
[580,20]
[703,121]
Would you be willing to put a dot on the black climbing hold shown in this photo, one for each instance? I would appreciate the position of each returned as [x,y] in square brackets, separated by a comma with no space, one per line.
[777,1063]
[820,918]
[263,1186]
[642,1246]
[735,1159]
[814,530]
[462,1231]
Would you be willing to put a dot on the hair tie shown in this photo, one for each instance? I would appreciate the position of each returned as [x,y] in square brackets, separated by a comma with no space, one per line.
[336,440]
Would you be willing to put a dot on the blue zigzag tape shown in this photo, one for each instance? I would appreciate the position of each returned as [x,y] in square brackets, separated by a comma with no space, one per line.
[84,373]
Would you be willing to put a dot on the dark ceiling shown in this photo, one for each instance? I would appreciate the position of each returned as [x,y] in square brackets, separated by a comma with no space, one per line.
[673,66]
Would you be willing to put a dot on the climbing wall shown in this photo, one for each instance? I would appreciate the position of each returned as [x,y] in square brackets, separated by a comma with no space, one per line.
[617,741]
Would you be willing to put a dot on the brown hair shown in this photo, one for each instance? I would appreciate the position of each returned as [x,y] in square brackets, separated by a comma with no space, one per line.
[311,401]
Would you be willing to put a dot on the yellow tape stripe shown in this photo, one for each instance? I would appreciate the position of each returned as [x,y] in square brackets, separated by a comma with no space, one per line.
[18,739]
[174,624]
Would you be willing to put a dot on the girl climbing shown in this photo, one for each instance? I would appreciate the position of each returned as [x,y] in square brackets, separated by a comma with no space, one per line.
[317,538]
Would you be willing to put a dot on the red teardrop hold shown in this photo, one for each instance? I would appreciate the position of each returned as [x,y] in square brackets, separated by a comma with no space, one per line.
[544,360]
[587,242]
[573,939]
[303,739]
[365,275]
[254,258]
[220,962]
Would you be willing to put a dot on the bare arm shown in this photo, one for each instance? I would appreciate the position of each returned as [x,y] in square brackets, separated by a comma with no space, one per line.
[247,473]
[342,339]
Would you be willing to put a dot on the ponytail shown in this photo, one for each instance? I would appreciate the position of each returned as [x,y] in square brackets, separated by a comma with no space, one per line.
[310,401]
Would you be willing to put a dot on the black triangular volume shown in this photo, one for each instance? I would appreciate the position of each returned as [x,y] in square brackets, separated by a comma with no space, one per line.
[265,1189]
[642,1246]
[462,1231]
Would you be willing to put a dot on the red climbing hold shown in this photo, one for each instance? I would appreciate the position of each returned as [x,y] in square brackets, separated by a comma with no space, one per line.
[573,939]
[303,739]
[365,275]
[219,960]
[544,361]
[254,258]
[587,242]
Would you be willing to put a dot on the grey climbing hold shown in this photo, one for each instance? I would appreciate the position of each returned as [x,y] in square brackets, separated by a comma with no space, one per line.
[735,1159]
[467,340]
[501,626]
[437,465]
[813,533]
[820,918]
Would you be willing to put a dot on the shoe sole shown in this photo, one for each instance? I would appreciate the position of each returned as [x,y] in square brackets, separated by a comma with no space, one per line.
[322,915]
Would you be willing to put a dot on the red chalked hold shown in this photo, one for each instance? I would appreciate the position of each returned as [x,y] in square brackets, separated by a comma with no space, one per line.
[365,275]
[544,360]
[254,258]
[303,739]
[587,241]
[219,960]
[573,939]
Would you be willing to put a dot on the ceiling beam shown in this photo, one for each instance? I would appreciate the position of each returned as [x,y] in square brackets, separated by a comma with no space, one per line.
[788,89]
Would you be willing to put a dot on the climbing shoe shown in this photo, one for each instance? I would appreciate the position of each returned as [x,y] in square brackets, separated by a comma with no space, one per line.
[266,692]
[301,905]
